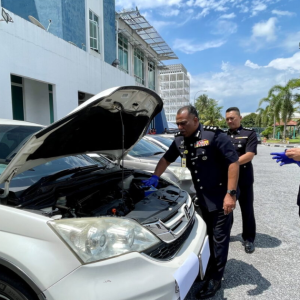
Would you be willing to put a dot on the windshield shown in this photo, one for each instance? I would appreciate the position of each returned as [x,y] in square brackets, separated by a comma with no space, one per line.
[12,138]
[165,141]
[33,175]
[145,149]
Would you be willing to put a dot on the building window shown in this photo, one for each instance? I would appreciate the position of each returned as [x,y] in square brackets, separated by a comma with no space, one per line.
[139,66]
[94,31]
[17,97]
[151,75]
[50,89]
[123,52]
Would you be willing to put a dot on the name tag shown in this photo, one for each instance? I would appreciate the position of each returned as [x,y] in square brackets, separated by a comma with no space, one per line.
[201,143]
[241,137]
[183,162]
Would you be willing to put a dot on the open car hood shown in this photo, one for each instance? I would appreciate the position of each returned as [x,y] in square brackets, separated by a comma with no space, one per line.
[94,126]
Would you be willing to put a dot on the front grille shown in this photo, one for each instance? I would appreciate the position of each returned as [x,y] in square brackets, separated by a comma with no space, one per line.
[166,251]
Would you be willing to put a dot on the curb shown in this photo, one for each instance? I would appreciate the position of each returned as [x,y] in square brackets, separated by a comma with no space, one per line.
[281,145]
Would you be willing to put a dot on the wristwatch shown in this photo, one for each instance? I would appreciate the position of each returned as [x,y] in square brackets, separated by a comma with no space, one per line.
[231,192]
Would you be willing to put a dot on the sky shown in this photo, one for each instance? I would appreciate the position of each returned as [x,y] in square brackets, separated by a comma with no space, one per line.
[234,50]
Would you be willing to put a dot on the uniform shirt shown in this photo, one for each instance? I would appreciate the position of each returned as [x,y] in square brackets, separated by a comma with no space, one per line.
[244,140]
[208,153]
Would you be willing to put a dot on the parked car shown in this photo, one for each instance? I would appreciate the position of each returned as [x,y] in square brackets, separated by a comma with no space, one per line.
[258,138]
[71,228]
[148,154]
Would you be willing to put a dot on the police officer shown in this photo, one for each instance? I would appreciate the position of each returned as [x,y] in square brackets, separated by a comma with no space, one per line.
[244,141]
[213,162]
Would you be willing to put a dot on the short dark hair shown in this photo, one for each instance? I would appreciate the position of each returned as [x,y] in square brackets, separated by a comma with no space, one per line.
[233,109]
[191,110]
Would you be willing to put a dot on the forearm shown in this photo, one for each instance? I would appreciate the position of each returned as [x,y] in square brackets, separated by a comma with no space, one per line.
[161,166]
[233,175]
[243,159]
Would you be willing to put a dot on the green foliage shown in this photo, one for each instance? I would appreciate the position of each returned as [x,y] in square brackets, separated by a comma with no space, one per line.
[267,132]
[249,120]
[208,110]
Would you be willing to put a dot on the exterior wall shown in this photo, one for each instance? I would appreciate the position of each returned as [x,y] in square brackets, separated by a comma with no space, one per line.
[36,104]
[68,18]
[30,52]
[109,37]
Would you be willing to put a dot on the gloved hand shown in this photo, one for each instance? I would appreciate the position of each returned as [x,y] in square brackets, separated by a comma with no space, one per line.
[153,180]
[283,159]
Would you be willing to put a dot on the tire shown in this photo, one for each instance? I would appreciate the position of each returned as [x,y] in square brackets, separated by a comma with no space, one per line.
[12,288]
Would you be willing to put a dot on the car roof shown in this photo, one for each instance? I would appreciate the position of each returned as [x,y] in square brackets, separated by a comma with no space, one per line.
[19,123]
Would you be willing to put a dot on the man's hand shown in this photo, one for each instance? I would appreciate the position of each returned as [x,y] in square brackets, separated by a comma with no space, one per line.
[283,158]
[229,204]
[293,153]
[153,180]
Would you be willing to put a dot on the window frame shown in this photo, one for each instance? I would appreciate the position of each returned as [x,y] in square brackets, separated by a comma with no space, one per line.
[139,56]
[96,38]
[122,49]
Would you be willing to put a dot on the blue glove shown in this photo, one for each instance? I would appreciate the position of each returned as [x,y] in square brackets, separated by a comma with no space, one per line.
[153,180]
[283,159]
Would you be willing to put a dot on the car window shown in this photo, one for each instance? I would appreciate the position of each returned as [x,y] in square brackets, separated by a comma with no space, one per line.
[144,149]
[12,137]
[33,175]
[165,141]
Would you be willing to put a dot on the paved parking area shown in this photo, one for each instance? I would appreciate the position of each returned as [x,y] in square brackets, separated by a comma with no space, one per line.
[273,270]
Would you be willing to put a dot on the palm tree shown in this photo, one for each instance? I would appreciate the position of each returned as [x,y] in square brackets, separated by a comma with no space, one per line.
[284,103]
[270,113]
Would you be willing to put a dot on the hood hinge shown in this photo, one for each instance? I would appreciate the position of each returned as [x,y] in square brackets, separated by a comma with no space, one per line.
[7,183]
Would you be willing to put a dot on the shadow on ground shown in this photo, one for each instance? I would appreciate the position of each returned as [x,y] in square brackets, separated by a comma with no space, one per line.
[237,273]
[261,241]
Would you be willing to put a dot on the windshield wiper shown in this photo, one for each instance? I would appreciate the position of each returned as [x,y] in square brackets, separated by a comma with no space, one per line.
[160,152]
[63,173]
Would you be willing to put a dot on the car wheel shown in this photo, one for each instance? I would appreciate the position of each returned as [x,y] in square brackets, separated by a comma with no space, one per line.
[12,289]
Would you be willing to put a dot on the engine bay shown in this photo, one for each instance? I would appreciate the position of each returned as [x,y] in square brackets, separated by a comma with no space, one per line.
[112,194]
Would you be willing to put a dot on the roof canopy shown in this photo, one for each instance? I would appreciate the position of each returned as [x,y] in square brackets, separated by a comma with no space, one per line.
[148,33]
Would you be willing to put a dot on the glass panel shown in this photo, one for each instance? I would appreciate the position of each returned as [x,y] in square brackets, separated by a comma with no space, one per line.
[16,79]
[91,15]
[95,18]
[51,107]
[17,102]
[50,88]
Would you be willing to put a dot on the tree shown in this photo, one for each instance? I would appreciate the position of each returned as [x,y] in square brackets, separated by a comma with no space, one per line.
[209,111]
[249,120]
[284,104]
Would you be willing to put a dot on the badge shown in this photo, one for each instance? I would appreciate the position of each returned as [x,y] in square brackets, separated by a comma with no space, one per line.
[204,158]
[185,152]
[183,162]
[201,143]
[239,145]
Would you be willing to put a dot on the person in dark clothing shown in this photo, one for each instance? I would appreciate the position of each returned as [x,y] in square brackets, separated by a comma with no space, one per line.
[213,162]
[244,141]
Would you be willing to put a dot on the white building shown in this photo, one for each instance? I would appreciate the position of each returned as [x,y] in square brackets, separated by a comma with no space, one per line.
[43,77]
[174,89]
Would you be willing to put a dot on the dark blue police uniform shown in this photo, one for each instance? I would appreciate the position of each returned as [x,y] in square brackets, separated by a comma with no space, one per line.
[245,140]
[207,154]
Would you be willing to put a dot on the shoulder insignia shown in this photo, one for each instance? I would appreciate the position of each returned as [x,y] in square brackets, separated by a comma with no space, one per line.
[247,128]
[177,134]
[211,128]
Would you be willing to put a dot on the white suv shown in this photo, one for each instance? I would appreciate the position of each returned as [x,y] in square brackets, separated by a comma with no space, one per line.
[73,229]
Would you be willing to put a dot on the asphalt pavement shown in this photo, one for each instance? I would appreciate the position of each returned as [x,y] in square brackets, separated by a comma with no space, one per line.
[273,270]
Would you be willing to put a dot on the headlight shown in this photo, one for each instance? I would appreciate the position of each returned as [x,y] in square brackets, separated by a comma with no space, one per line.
[181,173]
[95,239]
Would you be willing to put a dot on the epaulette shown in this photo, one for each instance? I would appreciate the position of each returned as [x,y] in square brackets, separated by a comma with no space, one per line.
[247,128]
[212,128]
